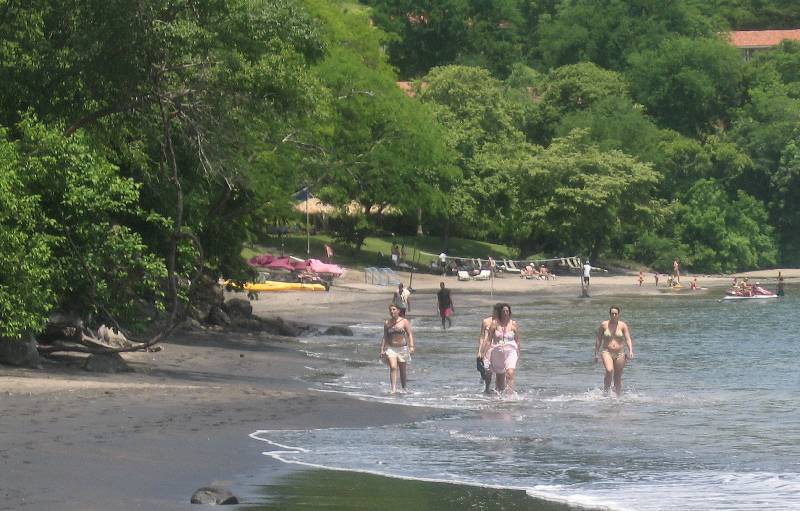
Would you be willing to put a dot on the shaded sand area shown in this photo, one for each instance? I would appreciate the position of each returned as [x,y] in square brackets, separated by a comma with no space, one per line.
[74,440]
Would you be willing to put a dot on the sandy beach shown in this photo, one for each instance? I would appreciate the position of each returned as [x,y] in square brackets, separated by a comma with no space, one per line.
[75,440]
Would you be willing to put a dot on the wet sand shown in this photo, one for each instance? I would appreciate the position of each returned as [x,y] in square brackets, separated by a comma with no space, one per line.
[74,440]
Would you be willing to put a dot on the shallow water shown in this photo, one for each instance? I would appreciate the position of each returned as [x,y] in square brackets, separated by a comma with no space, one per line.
[709,418]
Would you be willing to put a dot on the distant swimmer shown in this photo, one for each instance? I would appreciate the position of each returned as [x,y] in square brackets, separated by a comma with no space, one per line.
[397,345]
[501,348]
[483,347]
[609,347]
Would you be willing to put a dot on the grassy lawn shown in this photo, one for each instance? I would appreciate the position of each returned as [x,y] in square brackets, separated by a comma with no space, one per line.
[375,251]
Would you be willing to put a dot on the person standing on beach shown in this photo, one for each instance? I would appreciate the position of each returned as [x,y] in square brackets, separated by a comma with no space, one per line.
[397,345]
[609,348]
[587,272]
[444,302]
[443,262]
[641,278]
[402,299]
[395,254]
[500,349]
[676,271]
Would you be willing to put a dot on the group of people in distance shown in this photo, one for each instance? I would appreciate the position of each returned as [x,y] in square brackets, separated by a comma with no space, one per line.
[499,346]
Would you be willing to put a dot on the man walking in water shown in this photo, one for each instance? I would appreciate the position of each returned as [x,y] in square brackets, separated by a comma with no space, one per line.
[444,303]
[402,299]
[483,347]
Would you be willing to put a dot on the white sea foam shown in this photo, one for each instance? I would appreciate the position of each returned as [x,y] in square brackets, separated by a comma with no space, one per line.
[282,456]
[695,428]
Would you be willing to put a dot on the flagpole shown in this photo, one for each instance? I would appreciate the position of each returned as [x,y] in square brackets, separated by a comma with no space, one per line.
[308,230]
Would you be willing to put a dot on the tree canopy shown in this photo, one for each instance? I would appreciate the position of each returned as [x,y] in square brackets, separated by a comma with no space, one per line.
[142,144]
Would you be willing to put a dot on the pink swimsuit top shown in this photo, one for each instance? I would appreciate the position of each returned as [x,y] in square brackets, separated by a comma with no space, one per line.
[503,335]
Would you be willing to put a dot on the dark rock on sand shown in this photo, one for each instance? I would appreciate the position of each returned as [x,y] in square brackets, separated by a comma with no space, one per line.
[238,308]
[217,316]
[214,495]
[344,331]
[280,327]
[205,294]
[22,352]
[106,363]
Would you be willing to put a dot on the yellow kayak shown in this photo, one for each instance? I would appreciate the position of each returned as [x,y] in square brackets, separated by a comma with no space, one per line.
[272,285]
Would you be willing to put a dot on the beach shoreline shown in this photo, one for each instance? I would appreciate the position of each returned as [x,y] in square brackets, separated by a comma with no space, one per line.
[147,439]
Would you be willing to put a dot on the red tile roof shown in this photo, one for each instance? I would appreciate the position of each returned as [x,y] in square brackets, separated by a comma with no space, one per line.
[410,88]
[761,38]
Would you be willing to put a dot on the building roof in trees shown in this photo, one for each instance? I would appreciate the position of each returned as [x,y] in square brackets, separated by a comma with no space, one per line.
[762,38]
[410,88]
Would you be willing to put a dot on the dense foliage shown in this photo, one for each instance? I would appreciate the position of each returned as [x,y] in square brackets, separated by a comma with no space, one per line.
[143,142]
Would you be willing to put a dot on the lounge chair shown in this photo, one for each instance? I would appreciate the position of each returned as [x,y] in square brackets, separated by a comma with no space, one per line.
[483,275]
[463,275]
[510,267]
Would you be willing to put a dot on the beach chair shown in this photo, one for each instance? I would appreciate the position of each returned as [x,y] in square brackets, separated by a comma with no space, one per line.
[463,275]
[510,267]
[483,275]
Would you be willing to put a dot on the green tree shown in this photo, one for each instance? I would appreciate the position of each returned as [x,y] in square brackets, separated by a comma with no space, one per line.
[786,195]
[689,85]
[615,122]
[192,102]
[568,89]
[100,268]
[427,33]
[576,198]
[26,260]
[481,121]
[724,235]
[752,14]
[606,32]
[378,148]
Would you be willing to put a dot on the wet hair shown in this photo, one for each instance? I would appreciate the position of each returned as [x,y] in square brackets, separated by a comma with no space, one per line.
[496,310]
[501,306]
[615,307]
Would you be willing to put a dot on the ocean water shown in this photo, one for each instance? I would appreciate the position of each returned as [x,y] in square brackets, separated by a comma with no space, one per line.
[710,417]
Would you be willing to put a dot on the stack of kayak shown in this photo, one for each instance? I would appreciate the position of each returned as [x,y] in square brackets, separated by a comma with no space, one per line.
[290,274]
[274,285]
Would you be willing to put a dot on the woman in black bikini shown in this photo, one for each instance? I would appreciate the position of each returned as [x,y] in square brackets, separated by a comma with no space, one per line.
[397,345]
[612,336]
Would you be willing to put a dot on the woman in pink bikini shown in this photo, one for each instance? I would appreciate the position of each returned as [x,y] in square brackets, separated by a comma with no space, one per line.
[500,348]
[609,347]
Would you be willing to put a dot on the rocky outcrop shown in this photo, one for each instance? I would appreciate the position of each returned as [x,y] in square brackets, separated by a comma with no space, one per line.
[205,294]
[238,308]
[217,316]
[19,352]
[344,331]
[213,495]
[106,363]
